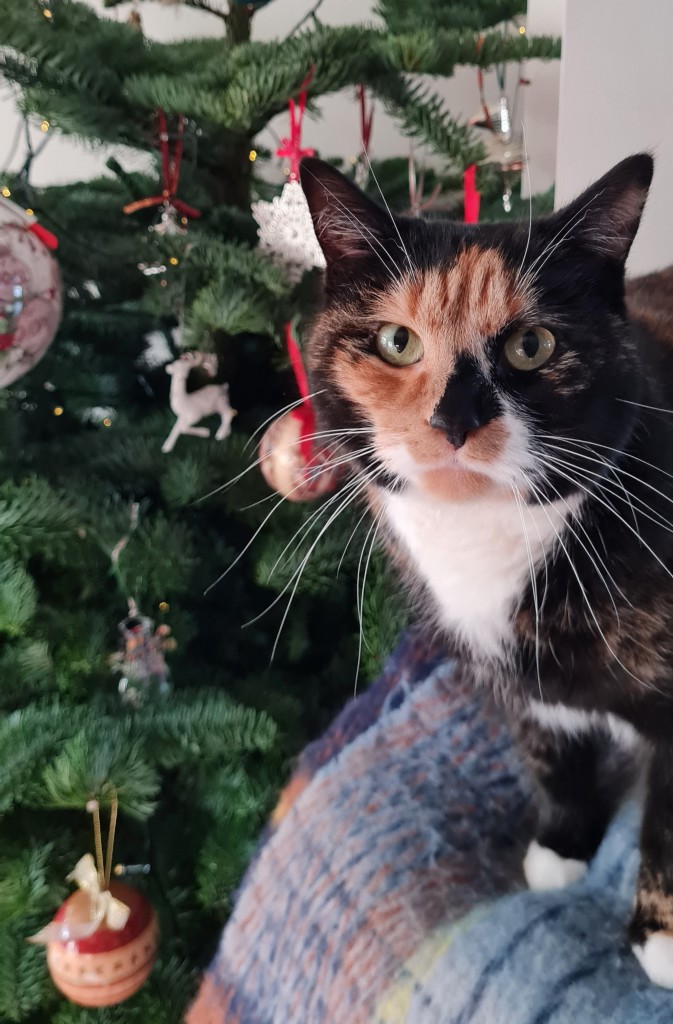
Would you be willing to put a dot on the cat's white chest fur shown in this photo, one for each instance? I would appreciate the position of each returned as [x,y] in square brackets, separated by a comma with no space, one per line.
[475,558]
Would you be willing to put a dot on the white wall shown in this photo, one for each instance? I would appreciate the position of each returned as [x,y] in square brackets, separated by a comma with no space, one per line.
[616,99]
[337,131]
[545,18]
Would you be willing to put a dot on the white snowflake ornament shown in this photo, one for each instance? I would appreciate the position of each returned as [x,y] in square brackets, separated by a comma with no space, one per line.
[286,232]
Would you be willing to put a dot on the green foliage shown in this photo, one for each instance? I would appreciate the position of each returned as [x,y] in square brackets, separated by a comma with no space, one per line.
[35,519]
[89,763]
[278,609]
[18,599]
[481,14]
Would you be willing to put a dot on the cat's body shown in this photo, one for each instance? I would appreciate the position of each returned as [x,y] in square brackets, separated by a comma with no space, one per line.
[512,426]
[474,560]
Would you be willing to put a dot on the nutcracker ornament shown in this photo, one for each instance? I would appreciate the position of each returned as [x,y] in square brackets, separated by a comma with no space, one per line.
[140,658]
[290,460]
[102,942]
[30,291]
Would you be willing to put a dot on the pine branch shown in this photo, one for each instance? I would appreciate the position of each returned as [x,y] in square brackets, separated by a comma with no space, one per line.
[18,599]
[401,17]
[87,764]
[34,519]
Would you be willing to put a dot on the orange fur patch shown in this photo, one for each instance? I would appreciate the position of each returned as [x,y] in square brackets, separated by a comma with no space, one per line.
[454,312]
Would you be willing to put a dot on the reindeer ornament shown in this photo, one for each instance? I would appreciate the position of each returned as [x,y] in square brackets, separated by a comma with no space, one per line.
[192,406]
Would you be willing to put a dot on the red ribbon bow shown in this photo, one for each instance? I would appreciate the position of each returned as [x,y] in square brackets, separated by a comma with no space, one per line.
[291,147]
[170,173]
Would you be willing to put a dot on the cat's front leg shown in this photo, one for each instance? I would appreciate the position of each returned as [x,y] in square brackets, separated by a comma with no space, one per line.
[651,928]
[578,790]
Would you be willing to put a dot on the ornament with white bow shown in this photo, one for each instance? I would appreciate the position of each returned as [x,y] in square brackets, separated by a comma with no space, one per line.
[105,909]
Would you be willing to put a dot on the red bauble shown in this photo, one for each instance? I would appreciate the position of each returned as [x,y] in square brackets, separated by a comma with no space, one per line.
[286,465]
[108,966]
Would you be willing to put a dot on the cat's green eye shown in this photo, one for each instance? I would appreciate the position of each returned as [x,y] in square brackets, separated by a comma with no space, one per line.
[398,345]
[529,348]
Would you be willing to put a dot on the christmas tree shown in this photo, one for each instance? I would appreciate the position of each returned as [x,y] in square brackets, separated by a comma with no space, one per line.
[106,542]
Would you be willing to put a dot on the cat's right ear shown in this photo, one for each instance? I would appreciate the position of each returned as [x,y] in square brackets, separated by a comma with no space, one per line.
[348,225]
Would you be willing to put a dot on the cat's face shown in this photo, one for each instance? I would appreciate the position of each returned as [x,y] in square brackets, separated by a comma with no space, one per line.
[452,352]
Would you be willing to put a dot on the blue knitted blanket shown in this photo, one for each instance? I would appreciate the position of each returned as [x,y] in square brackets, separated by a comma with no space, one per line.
[388,888]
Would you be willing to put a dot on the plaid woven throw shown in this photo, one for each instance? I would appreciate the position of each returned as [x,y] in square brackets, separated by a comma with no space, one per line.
[388,887]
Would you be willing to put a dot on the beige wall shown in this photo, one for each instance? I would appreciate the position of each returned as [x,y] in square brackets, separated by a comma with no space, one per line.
[336,133]
[617,99]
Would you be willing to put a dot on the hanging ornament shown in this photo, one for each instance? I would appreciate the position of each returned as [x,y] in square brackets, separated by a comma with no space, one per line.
[286,232]
[102,942]
[191,407]
[174,212]
[30,291]
[290,460]
[502,134]
[48,8]
[140,658]
[417,201]
[361,173]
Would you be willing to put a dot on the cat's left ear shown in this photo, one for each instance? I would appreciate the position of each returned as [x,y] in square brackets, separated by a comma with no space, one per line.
[606,216]
[348,225]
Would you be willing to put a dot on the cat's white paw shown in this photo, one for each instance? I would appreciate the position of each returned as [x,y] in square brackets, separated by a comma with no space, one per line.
[656,958]
[545,869]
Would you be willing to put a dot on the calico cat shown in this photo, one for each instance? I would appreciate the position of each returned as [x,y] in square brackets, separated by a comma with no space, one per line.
[508,404]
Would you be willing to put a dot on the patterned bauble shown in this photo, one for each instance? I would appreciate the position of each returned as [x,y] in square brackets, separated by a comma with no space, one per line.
[111,964]
[30,292]
[286,231]
[294,468]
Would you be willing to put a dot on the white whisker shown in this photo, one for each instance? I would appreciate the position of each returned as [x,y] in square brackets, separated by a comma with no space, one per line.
[586,599]
[533,583]
[394,222]
[375,527]
[320,436]
[308,555]
[279,412]
[530,201]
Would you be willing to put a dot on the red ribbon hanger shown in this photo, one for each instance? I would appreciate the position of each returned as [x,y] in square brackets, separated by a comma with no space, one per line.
[304,413]
[470,195]
[366,118]
[170,173]
[290,147]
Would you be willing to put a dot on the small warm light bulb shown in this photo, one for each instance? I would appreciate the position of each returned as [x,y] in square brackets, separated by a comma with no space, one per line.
[58,410]
[44,126]
[173,261]
[522,30]
[29,212]
[6,192]
[286,170]
[183,220]
[164,606]
[107,422]
[47,13]
[252,155]
[163,282]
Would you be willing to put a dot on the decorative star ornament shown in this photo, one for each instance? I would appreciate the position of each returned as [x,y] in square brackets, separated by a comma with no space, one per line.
[286,232]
